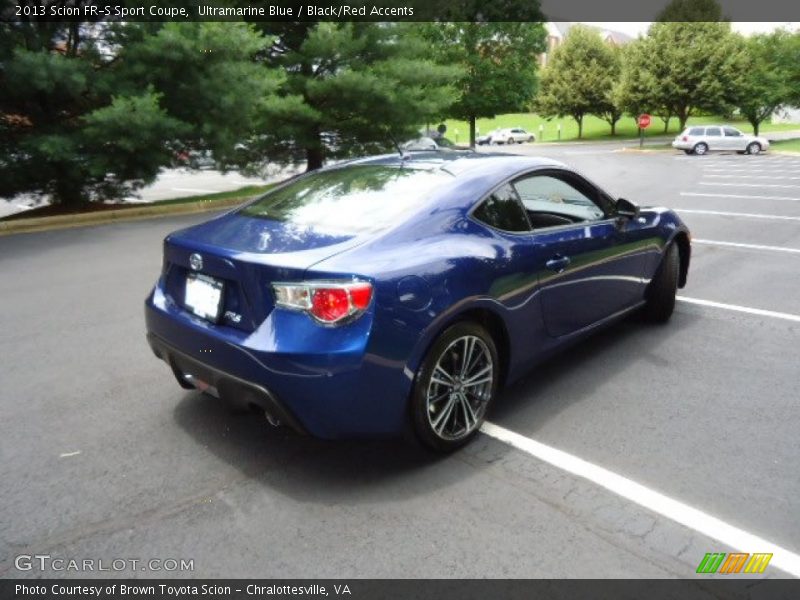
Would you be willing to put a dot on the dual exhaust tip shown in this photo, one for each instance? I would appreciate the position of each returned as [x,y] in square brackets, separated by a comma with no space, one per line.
[205,388]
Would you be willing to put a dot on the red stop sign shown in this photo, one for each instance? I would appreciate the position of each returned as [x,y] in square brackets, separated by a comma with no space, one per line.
[644,121]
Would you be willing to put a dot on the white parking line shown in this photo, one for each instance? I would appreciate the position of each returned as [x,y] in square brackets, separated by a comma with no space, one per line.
[745,196]
[742,309]
[746,246]
[737,214]
[730,176]
[758,185]
[650,499]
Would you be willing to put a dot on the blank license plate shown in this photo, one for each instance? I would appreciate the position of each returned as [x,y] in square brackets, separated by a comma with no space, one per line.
[204,296]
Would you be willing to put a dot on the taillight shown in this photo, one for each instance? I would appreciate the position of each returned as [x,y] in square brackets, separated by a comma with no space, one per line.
[327,301]
[686,138]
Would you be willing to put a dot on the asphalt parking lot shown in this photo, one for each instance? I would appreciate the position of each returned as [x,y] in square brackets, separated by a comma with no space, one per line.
[104,456]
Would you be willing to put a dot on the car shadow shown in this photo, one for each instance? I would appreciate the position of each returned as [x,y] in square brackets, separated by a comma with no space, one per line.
[574,375]
[358,471]
[306,468]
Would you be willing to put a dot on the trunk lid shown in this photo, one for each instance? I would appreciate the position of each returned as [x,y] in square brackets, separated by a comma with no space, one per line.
[246,254]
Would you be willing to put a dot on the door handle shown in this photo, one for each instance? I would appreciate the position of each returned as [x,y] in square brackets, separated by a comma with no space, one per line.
[558,263]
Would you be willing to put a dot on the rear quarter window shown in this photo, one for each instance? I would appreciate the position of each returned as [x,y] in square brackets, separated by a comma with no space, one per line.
[503,210]
[696,131]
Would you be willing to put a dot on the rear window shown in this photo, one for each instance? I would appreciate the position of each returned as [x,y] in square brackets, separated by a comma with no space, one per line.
[352,200]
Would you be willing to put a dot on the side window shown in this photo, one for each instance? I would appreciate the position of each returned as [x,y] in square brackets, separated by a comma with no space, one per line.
[696,131]
[552,201]
[731,132]
[713,131]
[503,211]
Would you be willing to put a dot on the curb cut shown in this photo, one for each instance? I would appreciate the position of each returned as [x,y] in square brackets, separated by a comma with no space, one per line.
[115,216]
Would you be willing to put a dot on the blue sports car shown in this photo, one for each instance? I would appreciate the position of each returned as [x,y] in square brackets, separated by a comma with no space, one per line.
[400,293]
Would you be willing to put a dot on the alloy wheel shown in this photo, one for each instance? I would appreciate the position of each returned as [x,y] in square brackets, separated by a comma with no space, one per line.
[460,388]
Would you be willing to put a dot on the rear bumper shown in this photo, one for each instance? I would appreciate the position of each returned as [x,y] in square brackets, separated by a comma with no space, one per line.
[230,387]
[329,382]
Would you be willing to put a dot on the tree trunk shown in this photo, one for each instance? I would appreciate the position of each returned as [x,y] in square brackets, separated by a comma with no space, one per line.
[315,152]
[755,125]
[666,123]
[472,131]
[314,158]
[67,192]
[613,128]
[683,117]
[580,126]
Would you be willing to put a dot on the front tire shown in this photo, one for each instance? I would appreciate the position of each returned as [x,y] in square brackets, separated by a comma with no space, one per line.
[454,387]
[663,288]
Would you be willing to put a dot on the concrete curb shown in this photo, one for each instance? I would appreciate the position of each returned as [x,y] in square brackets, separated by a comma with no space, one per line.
[644,150]
[112,216]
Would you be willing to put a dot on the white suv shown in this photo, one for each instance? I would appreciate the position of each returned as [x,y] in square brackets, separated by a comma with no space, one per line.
[700,140]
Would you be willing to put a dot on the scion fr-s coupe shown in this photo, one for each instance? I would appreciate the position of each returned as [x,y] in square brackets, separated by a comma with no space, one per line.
[400,293]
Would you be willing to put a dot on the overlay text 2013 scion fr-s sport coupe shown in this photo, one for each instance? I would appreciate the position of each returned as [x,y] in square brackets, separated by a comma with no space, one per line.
[400,293]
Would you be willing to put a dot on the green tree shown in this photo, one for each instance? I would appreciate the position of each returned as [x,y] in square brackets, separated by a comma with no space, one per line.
[682,67]
[498,62]
[638,88]
[350,88]
[579,79]
[765,79]
[612,109]
[207,77]
[792,65]
[691,10]
[92,110]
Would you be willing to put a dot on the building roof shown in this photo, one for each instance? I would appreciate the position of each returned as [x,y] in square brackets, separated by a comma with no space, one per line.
[561,29]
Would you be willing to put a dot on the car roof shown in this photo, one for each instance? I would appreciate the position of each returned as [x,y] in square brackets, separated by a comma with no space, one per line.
[457,162]
[710,125]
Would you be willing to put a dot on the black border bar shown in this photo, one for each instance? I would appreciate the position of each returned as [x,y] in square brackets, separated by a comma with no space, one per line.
[411,589]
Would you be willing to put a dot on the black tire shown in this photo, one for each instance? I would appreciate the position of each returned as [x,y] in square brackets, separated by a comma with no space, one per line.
[458,420]
[661,292]
[753,148]
[700,149]
[688,152]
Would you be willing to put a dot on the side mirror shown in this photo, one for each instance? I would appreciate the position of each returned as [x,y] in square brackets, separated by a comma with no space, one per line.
[626,209]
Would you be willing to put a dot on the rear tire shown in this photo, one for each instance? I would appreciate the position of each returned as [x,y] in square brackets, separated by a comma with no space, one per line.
[660,295]
[454,387]
[754,148]
[700,149]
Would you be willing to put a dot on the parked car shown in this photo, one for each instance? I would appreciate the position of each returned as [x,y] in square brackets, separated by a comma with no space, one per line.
[485,140]
[194,159]
[401,293]
[709,138]
[512,135]
[427,143]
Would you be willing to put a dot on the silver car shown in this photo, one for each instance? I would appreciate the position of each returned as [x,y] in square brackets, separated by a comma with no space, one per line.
[511,135]
[709,138]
